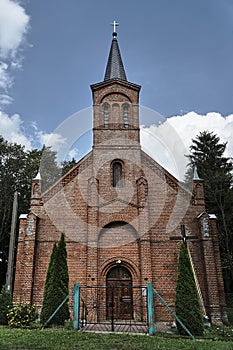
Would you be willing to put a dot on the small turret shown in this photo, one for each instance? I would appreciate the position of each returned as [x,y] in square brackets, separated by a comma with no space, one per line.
[198,189]
[36,190]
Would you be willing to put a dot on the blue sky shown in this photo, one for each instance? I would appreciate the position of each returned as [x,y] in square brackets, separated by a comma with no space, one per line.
[179,51]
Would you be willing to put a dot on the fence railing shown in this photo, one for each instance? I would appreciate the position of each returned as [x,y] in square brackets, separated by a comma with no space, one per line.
[113,308]
[121,308]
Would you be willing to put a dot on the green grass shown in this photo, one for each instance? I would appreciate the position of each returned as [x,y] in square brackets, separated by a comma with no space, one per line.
[12,339]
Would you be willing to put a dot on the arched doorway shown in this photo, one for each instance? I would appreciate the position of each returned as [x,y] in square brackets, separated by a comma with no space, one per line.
[119,294]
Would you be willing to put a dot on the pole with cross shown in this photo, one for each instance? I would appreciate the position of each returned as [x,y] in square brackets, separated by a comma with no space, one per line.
[184,238]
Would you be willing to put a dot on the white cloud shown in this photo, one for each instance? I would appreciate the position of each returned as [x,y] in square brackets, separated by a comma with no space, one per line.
[14,24]
[11,128]
[169,142]
[191,124]
[73,153]
[5,99]
[53,140]
[6,81]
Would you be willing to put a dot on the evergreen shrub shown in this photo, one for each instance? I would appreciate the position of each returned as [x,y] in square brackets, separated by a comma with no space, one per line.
[56,286]
[187,304]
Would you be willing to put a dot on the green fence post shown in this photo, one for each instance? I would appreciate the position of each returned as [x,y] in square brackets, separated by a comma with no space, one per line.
[57,309]
[76,306]
[150,309]
[173,314]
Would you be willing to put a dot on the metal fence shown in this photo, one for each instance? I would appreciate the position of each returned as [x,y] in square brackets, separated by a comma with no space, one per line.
[113,308]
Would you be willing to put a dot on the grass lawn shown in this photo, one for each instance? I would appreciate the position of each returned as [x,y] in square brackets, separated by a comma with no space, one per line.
[12,339]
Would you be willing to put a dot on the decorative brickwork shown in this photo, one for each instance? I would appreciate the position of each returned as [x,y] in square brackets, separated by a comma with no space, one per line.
[131,223]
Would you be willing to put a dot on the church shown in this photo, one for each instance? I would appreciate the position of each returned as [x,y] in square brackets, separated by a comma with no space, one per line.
[123,216]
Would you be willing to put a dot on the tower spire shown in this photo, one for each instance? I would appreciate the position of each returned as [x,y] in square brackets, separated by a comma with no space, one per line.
[115,68]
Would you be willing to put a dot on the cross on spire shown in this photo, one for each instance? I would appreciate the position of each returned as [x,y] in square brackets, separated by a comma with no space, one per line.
[115,25]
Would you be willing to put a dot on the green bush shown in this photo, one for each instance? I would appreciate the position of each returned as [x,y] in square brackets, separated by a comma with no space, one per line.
[22,315]
[5,305]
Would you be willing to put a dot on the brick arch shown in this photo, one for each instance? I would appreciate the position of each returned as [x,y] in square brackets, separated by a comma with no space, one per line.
[126,250]
[107,266]
[115,97]
[118,233]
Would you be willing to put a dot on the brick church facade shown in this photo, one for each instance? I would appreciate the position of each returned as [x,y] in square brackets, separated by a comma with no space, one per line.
[122,213]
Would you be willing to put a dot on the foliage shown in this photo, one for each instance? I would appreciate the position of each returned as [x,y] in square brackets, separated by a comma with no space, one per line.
[17,168]
[11,339]
[56,285]
[224,333]
[22,315]
[187,304]
[49,169]
[207,153]
[5,304]
[48,308]
[229,300]
[68,165]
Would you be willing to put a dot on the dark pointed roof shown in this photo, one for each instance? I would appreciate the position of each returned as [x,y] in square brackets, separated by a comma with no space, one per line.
[115,68]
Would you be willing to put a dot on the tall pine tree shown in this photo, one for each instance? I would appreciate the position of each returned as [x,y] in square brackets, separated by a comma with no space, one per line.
[47,307]
[187,304]
[56,285]
[207,154]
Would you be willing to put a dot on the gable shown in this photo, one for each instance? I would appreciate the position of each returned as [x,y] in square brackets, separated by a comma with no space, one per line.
[68,177]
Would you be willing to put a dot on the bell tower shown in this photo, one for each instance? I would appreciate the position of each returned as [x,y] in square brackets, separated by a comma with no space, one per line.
[115,102]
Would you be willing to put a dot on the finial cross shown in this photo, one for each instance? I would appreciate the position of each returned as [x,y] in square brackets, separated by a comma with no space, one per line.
[114,24]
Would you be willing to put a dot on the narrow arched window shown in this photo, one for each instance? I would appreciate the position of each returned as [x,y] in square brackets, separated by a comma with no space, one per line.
[115,115]
[125,116]
[117,174]
[106,113]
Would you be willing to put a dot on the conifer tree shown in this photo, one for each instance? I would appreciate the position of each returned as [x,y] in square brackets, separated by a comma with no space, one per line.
[49,169]
[207,154]
[47,307]
[56,285]
[187,304]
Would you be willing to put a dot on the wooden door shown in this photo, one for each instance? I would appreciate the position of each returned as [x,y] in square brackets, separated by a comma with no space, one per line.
[119,294]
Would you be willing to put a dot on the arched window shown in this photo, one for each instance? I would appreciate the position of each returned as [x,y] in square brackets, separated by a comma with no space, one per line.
[117,174]
[106,113]
[125,116]
[115,115]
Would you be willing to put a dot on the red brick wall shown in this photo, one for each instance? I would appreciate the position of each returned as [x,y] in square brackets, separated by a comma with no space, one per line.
[84,204]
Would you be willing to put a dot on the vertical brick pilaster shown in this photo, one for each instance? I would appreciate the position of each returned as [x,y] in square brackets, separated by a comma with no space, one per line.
[92,234]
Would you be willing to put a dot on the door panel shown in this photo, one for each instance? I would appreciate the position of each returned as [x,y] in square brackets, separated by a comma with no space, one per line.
[119,294]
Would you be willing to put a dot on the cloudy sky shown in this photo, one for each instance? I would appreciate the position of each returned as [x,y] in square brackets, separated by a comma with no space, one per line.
[179,51]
